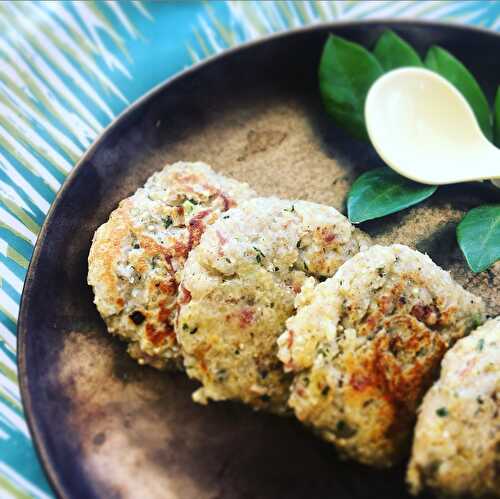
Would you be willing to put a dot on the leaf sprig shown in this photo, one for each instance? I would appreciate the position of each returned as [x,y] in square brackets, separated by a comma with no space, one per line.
[381,191]
[347,71]
[478,236]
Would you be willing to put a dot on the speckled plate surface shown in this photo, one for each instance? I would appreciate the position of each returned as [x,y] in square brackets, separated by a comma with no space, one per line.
[105,427]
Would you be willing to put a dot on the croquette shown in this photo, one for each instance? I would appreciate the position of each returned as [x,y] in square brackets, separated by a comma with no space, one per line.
[366,344]
[456,448]
[239,287]
[137,257]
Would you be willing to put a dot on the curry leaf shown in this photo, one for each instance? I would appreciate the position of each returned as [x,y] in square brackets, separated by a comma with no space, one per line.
[346,72]
[496,118]
[393,52]
[382,191]
[443,63]
[478,236]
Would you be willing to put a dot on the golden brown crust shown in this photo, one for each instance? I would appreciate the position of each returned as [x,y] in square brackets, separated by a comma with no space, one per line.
[137,257]
[104,252]
[242,280]
[366,345]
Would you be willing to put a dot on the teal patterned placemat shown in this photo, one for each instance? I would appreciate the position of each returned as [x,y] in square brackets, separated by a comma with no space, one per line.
[66,70]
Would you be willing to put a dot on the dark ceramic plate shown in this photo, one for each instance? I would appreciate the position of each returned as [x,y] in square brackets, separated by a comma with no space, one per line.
[105,427]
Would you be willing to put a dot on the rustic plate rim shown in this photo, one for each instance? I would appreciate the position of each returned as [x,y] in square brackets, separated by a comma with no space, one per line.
[42,453]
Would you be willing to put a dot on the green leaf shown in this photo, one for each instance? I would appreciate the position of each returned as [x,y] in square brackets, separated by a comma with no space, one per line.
[496,118]
[382,191]
[346,72]
[478,236]
[443,63]
[393,52]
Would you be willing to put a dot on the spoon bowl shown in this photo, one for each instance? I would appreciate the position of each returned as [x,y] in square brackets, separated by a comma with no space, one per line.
[424,129]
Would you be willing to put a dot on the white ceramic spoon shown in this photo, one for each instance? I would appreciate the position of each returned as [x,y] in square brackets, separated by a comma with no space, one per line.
[423,128]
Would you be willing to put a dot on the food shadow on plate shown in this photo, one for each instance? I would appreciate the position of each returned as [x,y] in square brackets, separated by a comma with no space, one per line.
[145,420]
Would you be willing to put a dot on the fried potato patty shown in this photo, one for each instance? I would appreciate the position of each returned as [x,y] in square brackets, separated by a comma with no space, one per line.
[456,449]
[366,344]
[239,287]
[137,256]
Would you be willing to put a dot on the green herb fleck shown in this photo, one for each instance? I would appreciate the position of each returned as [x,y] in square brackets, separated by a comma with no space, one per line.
[193,201]
[298,244]
[306,268]
[259,255]
[477,320]
[323,351]
[167,222]
[291,210]
[442,412]
[193,331]
[325,391]
[480,345]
